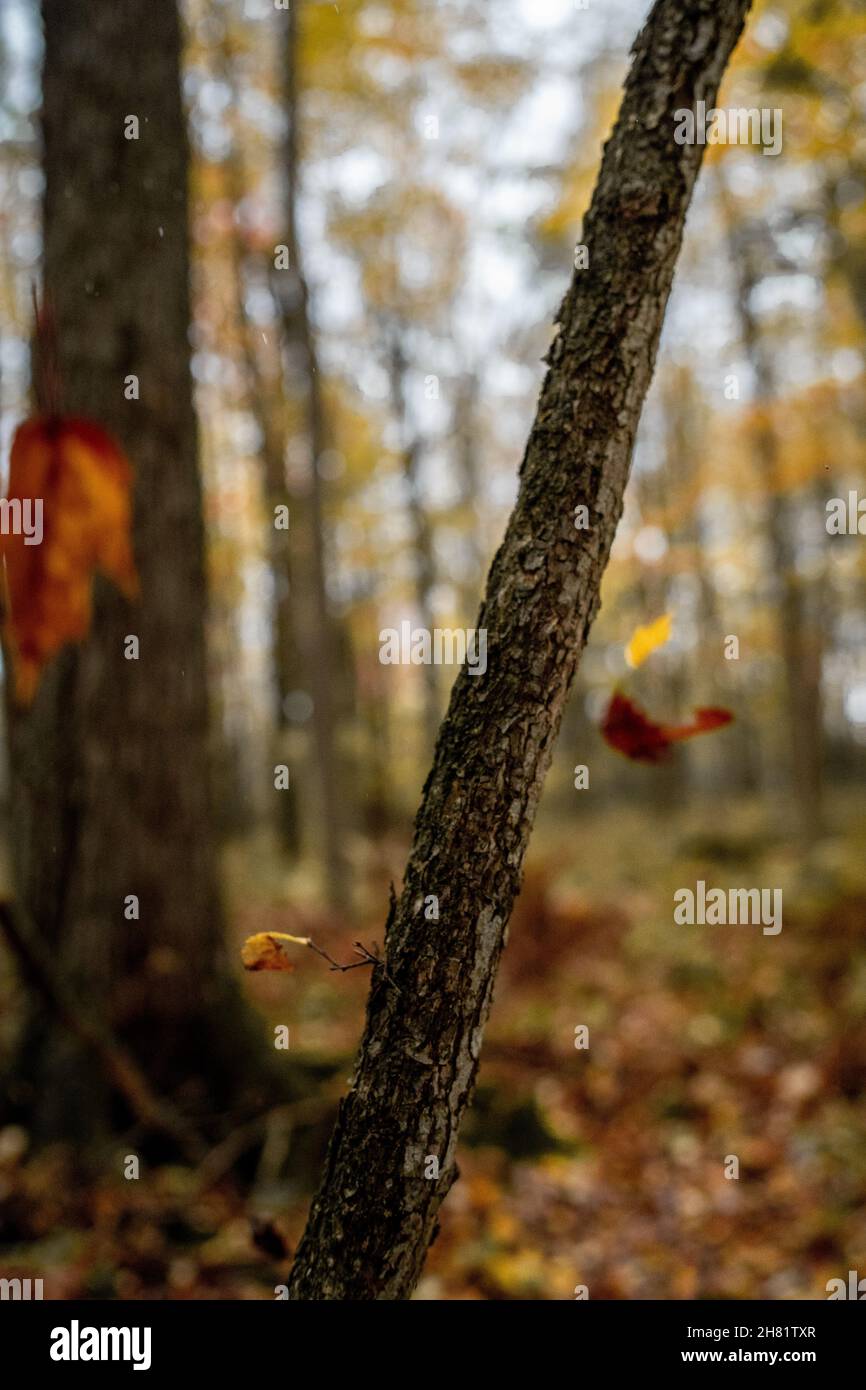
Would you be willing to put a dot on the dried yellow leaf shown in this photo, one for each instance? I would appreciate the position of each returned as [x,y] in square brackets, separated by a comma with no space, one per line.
[264,951]
[645,640]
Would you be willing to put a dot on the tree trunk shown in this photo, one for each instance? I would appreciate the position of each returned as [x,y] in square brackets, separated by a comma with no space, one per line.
[799,640]
[466,439]
[110,766]
[293,299]
[376,1211]
[411,452]
[285,655]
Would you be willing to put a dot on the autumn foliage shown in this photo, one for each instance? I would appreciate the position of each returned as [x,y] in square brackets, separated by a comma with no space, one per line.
[625,725]
[83,482]
[266,951]
[630,731]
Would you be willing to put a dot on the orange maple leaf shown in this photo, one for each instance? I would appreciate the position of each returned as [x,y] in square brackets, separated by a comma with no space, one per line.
[71,484]
[630,731]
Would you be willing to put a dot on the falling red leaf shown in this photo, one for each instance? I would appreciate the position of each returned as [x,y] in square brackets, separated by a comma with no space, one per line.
[631,732]
[78,483]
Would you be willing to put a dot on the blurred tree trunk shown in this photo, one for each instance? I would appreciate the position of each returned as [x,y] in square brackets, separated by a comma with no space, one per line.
[110,766]
[285,655]
[422,536]
[799,638]
[664,681]
[466,442]
[685,445]
[293,298]
[392,1156]
[376,806]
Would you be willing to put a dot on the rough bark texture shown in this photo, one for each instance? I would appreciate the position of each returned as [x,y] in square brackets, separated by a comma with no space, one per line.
[376,1212]
[110,767]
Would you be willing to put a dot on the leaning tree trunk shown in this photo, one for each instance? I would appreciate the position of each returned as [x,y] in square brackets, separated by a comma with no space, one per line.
[110,790]
[376,1210]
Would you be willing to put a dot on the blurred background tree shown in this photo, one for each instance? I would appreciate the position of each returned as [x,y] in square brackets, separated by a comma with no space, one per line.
[427,167]
[112,845]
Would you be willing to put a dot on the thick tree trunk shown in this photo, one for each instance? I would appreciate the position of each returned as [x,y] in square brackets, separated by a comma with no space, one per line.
[377,1207]
[110,767]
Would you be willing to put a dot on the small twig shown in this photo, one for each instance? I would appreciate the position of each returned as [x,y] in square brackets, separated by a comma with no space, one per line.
[224,1155]
[373,958]
[368,957]
[266,951]
[334,964]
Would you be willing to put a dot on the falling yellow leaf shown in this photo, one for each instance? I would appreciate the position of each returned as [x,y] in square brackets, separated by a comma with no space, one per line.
[264,951]
[645,640]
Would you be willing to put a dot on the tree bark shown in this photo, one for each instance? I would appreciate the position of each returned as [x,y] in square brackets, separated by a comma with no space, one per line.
[376,1210]
[110,766]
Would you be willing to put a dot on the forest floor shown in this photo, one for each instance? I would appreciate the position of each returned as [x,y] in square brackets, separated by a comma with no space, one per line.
[601,1166]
